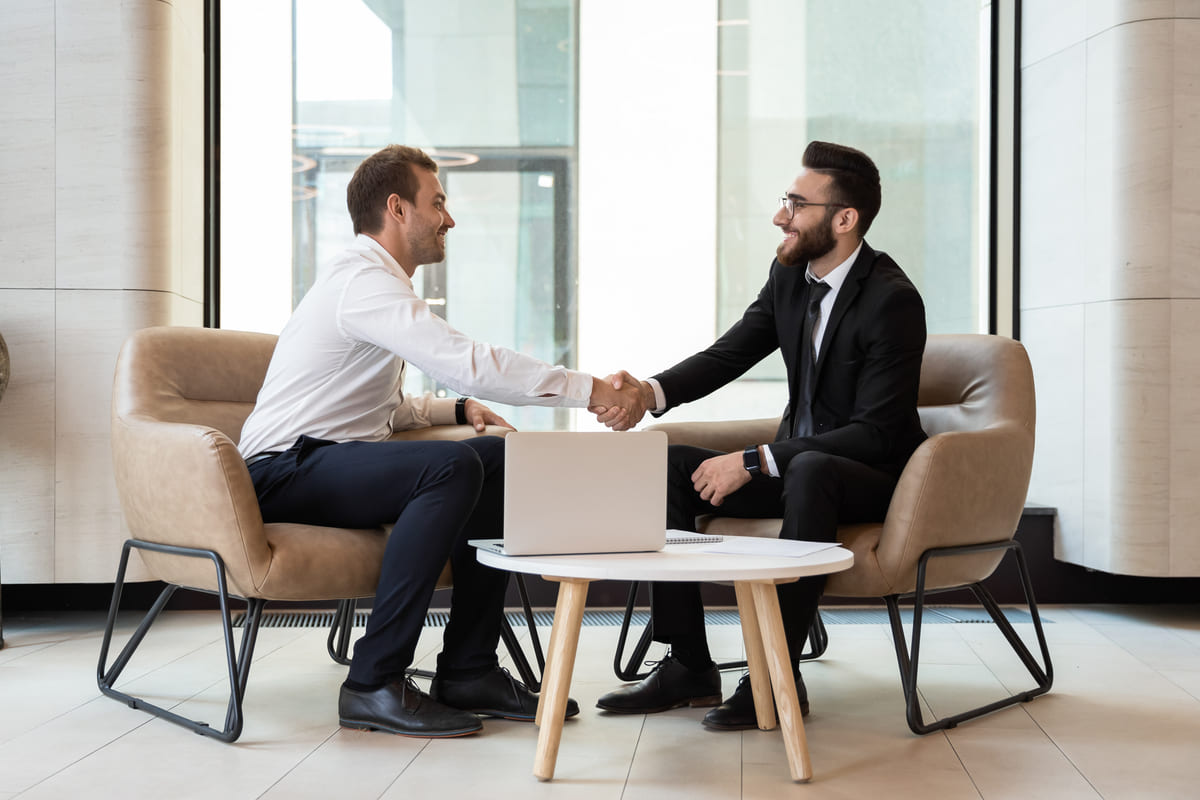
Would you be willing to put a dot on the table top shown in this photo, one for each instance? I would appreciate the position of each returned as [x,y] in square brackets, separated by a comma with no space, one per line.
[675,562]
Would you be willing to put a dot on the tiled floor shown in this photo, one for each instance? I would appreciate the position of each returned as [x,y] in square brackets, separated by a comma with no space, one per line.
[1123,721]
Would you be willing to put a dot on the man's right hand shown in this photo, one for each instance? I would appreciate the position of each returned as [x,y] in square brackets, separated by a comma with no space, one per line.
[620,400]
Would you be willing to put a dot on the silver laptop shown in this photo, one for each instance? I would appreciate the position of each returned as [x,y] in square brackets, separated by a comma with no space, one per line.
[567,493]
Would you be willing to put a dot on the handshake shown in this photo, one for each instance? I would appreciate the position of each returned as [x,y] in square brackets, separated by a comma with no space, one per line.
[620,400]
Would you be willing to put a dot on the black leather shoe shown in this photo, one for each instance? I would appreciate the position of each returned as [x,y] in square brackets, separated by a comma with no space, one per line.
[737,713]
[670,685]
[496,694]
[403,709]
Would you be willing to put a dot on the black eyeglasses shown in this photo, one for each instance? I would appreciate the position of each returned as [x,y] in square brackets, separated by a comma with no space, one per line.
[792,205]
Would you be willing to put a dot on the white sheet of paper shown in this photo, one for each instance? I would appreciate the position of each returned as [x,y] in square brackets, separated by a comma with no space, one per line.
[761,546]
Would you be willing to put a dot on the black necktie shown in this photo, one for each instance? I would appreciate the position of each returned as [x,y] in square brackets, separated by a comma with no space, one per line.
[808,358]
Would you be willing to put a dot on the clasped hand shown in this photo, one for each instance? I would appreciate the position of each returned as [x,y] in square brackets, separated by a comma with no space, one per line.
[620,400]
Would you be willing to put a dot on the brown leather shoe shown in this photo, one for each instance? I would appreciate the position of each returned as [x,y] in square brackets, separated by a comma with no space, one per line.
[737,713]
[403,709]
[670,685]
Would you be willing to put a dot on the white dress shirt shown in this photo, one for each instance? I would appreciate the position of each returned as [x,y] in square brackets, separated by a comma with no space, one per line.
[338,369]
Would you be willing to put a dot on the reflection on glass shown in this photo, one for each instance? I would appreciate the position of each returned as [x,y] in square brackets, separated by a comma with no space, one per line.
[488,88]
[900,81]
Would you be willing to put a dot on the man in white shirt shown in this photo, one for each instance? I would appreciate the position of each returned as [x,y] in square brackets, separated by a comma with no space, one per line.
[316,446]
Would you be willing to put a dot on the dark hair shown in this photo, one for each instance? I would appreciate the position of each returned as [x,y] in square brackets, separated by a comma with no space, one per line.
[380,175]
[855,178]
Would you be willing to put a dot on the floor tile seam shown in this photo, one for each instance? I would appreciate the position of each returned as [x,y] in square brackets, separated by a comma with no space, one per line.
[637,743]
[966,770]
[1050,738]
[91,753]
[292,768]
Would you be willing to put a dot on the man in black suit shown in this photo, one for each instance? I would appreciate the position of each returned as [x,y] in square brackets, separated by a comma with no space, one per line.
[851,327]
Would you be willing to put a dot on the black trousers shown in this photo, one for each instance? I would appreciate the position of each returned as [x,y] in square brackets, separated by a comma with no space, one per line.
[436,496]
[816,493]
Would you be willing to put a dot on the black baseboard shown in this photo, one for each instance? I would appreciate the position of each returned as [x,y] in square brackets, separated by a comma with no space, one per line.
[1053,582]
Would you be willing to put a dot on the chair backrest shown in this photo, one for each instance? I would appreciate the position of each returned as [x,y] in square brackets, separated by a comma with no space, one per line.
[966,484]
[180,397]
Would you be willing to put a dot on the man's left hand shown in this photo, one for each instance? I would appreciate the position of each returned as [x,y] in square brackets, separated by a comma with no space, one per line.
[480,416]
[720,476]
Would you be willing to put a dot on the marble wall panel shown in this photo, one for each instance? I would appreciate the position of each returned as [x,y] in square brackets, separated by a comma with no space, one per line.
[92,326]
[27,144]
[1053,267]
[27,438]
[1185,188]
[1185,437]
[1129,161]
[1054,340]
[188,149]
[112,149]
[1127,441]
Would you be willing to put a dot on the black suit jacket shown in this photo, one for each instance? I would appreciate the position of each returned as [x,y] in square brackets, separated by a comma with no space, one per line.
[864,400]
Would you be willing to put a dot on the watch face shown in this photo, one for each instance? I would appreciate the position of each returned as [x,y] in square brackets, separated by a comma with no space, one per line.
[750,459]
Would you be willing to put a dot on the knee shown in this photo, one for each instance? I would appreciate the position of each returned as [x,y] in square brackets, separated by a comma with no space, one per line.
[808,471]
[462,465]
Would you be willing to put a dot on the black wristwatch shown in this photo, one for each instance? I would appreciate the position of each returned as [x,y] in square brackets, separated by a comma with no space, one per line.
[460,411]
[751,461]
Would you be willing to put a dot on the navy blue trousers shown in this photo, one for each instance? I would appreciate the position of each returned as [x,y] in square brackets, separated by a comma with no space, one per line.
[436,495]
[817,492]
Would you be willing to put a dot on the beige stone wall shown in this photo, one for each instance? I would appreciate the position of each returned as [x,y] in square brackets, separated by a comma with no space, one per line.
[1110,276]
[101,233]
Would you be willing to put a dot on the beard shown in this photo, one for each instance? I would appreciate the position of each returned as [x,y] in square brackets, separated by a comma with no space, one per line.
[809,244]
[425,245]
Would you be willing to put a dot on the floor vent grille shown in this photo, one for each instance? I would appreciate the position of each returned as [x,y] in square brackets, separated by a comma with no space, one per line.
[941,615]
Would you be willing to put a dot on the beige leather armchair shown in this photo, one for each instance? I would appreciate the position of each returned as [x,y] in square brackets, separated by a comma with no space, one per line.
[180,397]
[956,506]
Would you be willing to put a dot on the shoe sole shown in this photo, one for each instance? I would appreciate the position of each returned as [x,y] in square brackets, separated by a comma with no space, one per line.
[359,725]
[748,726]
[693,702]
[514,717]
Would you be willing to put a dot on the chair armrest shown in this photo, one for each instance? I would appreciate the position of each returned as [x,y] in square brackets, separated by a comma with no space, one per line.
[447,433]
[726,436]
[959,488]
[187,485]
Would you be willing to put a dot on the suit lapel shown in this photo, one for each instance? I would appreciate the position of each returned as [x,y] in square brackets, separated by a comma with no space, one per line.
[859,271]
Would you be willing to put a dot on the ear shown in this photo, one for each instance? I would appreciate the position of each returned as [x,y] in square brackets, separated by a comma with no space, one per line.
[395,209]
[845,220]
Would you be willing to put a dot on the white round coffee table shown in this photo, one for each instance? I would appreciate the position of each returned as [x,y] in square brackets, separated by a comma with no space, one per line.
[753,577]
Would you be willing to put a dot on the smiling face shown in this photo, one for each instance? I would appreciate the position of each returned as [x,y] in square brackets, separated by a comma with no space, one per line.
[808,235]
[426,232]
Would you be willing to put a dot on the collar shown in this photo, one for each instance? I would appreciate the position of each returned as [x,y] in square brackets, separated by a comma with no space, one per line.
[837,275]
[366,243]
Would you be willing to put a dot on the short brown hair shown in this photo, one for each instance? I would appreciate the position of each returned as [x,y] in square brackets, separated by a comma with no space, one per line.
[855,178]
[380,175]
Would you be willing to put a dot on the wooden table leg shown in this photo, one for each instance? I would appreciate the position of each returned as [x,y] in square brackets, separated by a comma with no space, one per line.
[766,600]
[756,659]
[556,679]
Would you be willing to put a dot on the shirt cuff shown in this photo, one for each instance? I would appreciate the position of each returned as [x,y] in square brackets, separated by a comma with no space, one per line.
[441,411]
[660,399]
[769,462]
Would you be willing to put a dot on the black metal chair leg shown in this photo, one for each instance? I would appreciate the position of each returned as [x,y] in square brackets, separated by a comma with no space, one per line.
[909,659]
[818,642]
[534,682]
[238,669]
[338,643]
[630,672]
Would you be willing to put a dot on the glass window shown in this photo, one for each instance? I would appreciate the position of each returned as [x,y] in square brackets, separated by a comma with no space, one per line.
[900,81]
[612,165]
